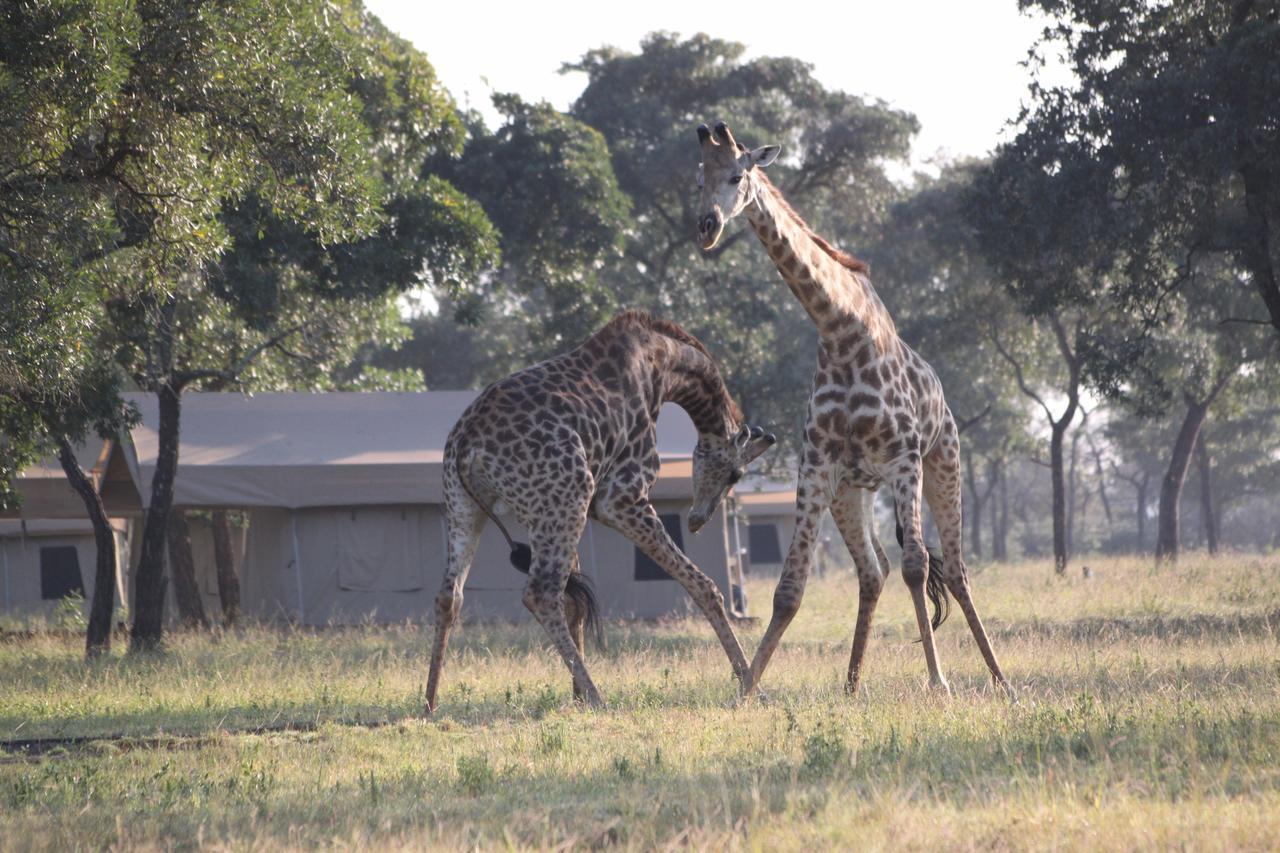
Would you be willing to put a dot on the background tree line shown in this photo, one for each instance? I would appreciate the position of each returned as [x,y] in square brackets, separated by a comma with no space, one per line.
[202,196]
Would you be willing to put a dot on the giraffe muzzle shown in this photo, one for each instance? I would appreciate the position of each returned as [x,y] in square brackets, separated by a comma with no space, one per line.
[696,521]
[709,230]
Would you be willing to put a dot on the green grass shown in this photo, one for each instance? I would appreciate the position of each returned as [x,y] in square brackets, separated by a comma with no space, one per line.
[1149,717]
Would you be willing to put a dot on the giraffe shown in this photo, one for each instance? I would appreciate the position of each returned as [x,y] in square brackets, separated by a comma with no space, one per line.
[876,416]
[574,437]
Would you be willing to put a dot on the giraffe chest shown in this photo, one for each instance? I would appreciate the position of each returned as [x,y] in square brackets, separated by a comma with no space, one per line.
[867,420]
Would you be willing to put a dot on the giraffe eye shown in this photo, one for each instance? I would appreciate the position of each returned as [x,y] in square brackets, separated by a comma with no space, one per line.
[735,179]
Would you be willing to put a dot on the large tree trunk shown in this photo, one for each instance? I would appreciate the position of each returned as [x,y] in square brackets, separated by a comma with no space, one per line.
[1262,252]
[1142,511]
[224,559]
[1208,520]
[98,636]
[975,510]
[1072,491]
[182,568]
[1000,531]
[1058,477]
[1167,535]
[1102,486]
[149,582]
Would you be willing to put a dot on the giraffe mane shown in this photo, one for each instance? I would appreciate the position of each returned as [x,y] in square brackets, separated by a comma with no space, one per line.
[633,318]
[845,259]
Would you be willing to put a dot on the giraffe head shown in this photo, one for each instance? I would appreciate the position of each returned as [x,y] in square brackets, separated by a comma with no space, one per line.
[725,180]
[718,463]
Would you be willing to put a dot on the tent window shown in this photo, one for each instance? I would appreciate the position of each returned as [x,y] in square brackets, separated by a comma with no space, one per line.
[60,572]
[648,570]
[762,541]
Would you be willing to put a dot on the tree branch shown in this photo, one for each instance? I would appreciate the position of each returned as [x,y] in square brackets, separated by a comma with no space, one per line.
[231,375]
[1017,372]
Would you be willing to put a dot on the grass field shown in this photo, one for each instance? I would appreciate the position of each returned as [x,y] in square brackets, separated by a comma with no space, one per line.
[1149,717]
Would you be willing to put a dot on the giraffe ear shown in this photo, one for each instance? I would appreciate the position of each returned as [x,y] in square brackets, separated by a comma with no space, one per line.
[764,155]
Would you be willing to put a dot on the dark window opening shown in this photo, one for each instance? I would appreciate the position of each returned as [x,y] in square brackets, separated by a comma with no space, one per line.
[762,543]
[60,572]
[648,570]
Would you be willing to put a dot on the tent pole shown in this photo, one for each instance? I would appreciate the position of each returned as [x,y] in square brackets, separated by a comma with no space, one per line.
[591,548]
[297,565]
[4,557]
[121,543]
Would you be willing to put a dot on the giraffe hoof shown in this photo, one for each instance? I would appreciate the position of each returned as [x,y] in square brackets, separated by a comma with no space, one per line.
[941,688]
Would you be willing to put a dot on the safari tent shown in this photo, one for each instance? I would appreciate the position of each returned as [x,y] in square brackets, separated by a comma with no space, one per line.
[47,550]
[769,511]
[343,497]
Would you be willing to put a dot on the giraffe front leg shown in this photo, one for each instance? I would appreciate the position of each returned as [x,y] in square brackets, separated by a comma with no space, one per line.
[639,522]
[789,592]
[851,511]
[915,559]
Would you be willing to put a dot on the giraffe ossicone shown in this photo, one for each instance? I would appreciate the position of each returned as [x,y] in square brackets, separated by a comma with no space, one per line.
[573,438]
[876,417]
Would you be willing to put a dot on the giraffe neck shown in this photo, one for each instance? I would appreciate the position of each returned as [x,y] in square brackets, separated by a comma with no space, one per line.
[692,381]
[839,300]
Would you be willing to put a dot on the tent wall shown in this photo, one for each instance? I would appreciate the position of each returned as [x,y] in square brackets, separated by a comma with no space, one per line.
[329,574]
[20,570]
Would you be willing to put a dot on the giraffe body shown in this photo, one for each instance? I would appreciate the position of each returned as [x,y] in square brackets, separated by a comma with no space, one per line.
[574,437]
[877,416]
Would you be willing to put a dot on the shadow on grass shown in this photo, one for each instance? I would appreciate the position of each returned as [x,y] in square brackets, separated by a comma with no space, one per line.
[632,795]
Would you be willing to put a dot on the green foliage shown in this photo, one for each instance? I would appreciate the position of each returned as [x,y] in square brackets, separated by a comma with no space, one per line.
[1161,153]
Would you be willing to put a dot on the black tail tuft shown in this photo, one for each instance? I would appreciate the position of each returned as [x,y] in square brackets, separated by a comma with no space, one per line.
[521,557]
[583,592]
[935,588]
[579,588]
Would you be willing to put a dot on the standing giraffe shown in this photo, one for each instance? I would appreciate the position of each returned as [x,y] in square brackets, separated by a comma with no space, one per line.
[572,437]
[876,415]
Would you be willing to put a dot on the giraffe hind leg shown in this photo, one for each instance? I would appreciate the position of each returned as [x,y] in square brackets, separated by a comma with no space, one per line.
[915,560]
[465,522]
[942,490]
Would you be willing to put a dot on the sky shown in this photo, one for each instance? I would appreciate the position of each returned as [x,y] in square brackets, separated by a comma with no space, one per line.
[953,63]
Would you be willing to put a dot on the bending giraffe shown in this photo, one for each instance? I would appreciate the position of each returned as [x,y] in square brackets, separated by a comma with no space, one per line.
[574,437]
[876,415]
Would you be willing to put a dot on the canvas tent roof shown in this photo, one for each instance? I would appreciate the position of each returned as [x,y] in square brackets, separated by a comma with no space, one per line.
[44,488]
[759,497]
[298,450]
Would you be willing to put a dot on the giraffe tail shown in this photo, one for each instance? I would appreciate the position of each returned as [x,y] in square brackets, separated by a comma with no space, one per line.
[935,589]
[579,589]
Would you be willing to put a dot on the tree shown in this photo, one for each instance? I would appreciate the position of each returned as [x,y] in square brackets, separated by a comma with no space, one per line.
[1119,192]
[220,174]
[1066,369]
[1167,137]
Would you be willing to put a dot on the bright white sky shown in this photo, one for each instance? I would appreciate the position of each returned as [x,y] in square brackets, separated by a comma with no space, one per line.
[954,63]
